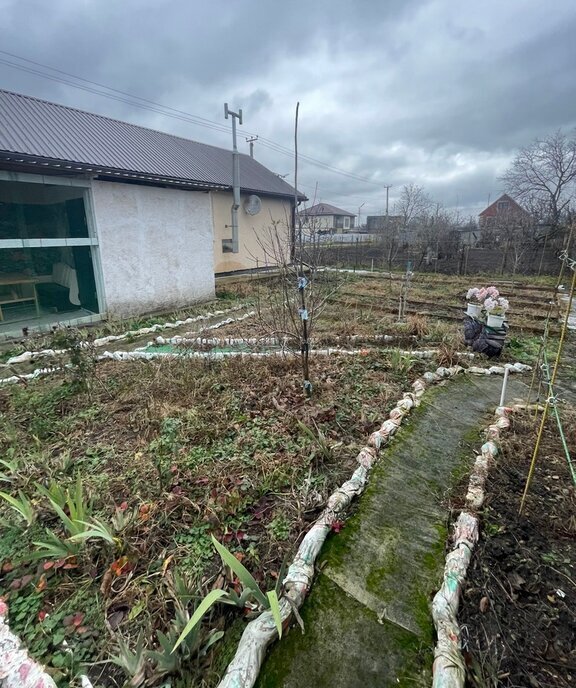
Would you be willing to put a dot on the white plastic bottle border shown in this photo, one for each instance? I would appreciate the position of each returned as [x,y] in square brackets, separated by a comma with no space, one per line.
[449,667]
[139,355]
[19,670]
[102,341]
[259,341]
[243,671]
[449,670]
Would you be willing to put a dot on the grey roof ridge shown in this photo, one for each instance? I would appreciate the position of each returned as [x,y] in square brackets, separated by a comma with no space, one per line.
[119,121]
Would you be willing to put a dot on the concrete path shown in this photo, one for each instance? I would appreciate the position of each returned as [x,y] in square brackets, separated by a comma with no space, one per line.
[367,620]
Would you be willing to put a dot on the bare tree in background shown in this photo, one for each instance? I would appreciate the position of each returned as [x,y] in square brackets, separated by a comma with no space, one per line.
[544,173]
[435,234]
[410,210]
[414,204]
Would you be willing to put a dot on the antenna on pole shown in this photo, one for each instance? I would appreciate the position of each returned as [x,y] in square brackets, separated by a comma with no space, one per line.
[235,174]
[251,142]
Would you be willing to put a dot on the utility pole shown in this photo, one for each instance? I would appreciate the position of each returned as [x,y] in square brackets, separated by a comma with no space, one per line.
[387,187]
[235,174]
[359,209]
[251,142]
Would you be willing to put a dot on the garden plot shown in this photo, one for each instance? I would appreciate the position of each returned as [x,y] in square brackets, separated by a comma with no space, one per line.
[166,454]
[158,455]
[360,311]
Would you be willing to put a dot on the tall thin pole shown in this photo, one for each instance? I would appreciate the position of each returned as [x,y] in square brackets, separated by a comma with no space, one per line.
[235,174]
[296,216]
[251,142]
[302,281]
[387,187]
[359,209]
[551,382]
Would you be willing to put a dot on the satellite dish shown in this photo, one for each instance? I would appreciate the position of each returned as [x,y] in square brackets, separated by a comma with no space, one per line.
[253,205]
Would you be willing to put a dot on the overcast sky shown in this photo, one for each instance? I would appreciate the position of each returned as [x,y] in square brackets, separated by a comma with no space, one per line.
[438,93]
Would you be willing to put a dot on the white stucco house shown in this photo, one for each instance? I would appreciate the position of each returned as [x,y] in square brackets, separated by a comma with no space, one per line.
[100,217]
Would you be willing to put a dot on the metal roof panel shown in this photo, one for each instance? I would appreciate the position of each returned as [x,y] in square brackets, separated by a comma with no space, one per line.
[35,127]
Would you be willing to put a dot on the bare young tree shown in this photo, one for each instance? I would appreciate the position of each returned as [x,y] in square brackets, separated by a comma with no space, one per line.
[291,307]
[544,172]
[289,304]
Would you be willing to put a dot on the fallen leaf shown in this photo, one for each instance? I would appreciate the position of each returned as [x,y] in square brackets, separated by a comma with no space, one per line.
[116,618]
[166,564]
[78,619]
[106,583]
[516,581]
[484,604]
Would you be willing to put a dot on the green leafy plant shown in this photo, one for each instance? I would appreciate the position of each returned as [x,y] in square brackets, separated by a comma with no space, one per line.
[132,662]
[78,524]
[207,603]
[10,467]
[94,529]
[78,507]
[21,505]
[54,492]
[323,447]
[401,363]
[53,547]
[279,527]
[268,601]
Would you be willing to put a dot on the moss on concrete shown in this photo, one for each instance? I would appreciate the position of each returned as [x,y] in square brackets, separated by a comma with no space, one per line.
[368,619]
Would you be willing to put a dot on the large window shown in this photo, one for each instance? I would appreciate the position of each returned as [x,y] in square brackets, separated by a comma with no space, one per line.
[46,262]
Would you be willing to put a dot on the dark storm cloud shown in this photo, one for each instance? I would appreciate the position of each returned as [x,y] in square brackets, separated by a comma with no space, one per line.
[424,91]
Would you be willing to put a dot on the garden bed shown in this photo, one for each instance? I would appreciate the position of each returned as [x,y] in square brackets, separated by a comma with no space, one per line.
[518,615]
[167,454]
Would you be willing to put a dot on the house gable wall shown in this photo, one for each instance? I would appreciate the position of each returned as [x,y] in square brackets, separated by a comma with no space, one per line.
[155,246]
[253,231]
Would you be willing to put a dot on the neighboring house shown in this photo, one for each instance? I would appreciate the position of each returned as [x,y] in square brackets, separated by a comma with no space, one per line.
[468,235]
[99,216]
[503,212]
[326,219]
[380,223]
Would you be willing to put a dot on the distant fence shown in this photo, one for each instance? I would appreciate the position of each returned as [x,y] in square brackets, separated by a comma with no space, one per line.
[451,259]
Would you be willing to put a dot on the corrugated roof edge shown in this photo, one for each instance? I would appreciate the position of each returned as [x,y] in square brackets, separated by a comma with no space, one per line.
[136,174]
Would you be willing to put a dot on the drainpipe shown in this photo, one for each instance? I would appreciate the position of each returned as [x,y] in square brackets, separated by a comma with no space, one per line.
[235,175]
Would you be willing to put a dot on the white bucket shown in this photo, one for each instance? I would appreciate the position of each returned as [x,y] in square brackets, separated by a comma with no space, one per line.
[474,310]
[495,321]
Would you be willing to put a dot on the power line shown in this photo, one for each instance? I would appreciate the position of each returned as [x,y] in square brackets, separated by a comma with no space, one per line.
[165,110]
[109,95]
[110,88]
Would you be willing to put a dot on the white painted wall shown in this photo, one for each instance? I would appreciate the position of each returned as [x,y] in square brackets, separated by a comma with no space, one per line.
[156,246]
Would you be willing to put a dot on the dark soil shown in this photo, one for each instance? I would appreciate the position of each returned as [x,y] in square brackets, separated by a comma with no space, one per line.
[518,613]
